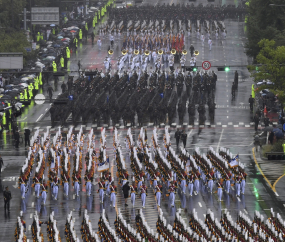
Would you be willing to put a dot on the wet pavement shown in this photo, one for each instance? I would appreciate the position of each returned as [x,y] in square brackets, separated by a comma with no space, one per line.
[232,129]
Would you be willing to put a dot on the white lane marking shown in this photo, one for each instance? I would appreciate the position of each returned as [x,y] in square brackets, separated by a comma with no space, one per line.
[31,215]
[200,204]
[46,109]
[204,215]
[276,194]
[238,199]
[29,227]
[220,140]
[39,118]
[245,211]
[33,204]
[190,132]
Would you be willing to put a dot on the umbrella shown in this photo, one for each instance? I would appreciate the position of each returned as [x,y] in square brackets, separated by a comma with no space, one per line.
[24,84]
[72,31]
[278,133]
[60,37]
[52,25]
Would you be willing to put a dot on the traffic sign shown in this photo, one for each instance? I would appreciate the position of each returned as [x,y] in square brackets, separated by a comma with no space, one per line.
[70,97]
[40,99]
[206,65]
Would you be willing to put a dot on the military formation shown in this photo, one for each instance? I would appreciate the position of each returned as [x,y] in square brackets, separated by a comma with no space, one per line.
[155,171]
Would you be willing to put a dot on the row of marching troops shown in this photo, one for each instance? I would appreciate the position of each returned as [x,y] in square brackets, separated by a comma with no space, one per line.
[151,42]
[144,17]
[151,97]
[59,162]
[227,229]
[183,171]
[138,61]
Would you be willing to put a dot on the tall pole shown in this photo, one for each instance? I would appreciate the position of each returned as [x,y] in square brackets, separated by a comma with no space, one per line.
[31,26]
[25,19]
[12,12]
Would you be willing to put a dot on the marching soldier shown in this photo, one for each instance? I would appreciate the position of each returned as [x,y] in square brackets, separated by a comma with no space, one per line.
[133,189]
[55,188]
[183,182]
[143,194]
[113,190]
[44,192]
[210,178]
[125,177]
[158,189]
[220,189]
[141,179]
[196,182]
[76,184]
[101,189]
[22,181]
[65,181]
[237,181]
[190,183]
[156,175]
[243,178]
[228,181]
[37,181]
[88,179]
[172,190]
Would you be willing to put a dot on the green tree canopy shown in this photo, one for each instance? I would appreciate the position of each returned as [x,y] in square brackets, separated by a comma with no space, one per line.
[272,60]
[264,22]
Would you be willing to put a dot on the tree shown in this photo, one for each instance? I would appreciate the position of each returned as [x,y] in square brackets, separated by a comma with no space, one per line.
[264,22]
[272,60]
[14,42]
[10,11]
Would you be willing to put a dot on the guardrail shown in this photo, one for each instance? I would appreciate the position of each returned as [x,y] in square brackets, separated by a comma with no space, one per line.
[275,155]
